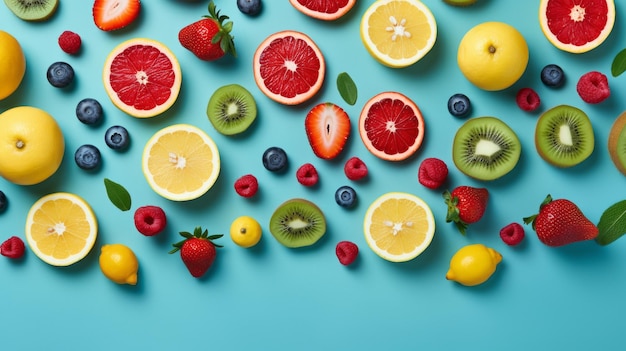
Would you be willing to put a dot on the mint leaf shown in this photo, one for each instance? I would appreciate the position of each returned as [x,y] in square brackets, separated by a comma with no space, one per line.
[619,63]
[118,195]
[347,88]
[612,223]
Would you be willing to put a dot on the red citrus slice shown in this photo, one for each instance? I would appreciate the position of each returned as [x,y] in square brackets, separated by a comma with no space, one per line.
[289,67]
[576,26]
[327,10]
[142,77]
[391,126]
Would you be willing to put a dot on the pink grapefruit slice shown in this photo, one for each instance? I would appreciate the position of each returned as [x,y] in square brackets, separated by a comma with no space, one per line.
[326,10]
[142,77]
[391,126]
[577,26]
[289,67]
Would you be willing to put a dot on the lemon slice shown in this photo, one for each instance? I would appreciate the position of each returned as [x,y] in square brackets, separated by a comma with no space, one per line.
[399,226]
[181,162]
[398,33]
[61,229]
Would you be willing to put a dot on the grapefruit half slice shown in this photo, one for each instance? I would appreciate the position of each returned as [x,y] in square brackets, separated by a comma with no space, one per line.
[326,10]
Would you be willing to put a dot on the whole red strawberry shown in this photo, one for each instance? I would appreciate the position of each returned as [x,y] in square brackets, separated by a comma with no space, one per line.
[209,38]
[466,205]
[561,222]
[197,250]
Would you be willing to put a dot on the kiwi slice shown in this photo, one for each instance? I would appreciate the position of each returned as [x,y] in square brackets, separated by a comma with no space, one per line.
[32,10]
[617,143]
[459,2]
[564,136]
[485,148]
[297,223]
[231,109]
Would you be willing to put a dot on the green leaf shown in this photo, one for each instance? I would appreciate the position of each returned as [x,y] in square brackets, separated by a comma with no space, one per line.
[619,63]
[118,195]
[347,88]
[612,223]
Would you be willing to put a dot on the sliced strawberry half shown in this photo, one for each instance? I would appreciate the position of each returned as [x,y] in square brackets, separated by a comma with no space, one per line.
[327,128]
[115,14]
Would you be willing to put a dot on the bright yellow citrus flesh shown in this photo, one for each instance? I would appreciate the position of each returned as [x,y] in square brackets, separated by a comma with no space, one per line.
[61,229]
[399,226]
[12,64]
[245,231]
[181,162]
[119,263]
[473,264]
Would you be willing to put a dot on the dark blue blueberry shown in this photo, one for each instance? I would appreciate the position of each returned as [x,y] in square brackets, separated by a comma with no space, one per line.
[345,196]
[552,76]
[89,111]
[274,159]
[87,157]
[459,105]
[249,7]
[116,137]
[60,74]
[3,201]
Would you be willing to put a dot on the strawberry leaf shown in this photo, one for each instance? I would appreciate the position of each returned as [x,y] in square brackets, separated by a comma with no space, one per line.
[118,195]
[347,88]
[619,63]
[612,223]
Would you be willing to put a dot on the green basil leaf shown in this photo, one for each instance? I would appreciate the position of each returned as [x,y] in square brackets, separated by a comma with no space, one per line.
[118,195]
[612,223]
[619,63]
[347,88]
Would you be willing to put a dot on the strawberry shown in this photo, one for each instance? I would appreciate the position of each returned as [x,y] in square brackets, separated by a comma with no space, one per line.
[110,15]
[561,222]
[197,250]
[466,205]
[209,38]
[327,128]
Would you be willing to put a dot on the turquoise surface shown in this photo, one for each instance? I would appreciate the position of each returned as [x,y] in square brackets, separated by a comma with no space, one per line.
[271,297]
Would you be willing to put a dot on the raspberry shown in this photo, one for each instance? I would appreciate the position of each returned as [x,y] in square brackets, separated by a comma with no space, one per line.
[527,99]
[13,247]
[347,252]
[432,173]
[593,87]
[246,185]
[150,220]
[512,234]
[70,42]
[307,175]
[355,169]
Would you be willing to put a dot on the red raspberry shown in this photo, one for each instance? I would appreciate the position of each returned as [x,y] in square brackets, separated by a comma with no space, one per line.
[307,175]
[246,185]
[355,169]
[347,252]
[150,220]
[527,99]
[432,173]
[70,42]
[512,234]
[13,247]
[593,87]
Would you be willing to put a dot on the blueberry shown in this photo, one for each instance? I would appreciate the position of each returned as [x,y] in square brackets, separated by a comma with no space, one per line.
[552,76]
[3,201]
[87,157]
[274,159]
[89,111]
[459,105]
[116,137]
[345,196]
[249,7]
[60,74]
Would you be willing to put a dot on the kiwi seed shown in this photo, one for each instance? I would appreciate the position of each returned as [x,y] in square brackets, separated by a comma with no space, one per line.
[32,10]
[617,143]
[297,223]
[231,109]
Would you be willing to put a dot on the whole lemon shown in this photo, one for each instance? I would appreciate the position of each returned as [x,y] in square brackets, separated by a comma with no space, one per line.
[245,231]
[31,145]
[473,264]
[119,263]
[493,55]
[12,64]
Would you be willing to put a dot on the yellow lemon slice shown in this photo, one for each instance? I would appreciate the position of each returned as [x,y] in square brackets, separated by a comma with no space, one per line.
[399,226]
[398,33]
[181,162]
[61,229]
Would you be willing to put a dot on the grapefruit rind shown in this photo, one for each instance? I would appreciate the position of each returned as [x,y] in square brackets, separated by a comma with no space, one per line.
[321,15]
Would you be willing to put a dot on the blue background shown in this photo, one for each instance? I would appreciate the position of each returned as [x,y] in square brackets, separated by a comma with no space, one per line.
[271,297]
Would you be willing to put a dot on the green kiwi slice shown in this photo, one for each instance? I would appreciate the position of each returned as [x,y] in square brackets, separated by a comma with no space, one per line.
[617,143]
[231,109]
[485,148]
[32,10]
[564,136]
[297,223]
[459,2]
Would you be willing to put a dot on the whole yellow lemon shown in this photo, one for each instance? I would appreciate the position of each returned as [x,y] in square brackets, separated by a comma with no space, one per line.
[493,55]
[12,64]
[119,263]
[245,231]
[31,145]
[473,264]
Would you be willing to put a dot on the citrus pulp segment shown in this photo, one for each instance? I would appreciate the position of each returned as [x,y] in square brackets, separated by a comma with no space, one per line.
[327,10]
[61,228]
[398,33]
[142,77]
[289,67]
[181,162]
[399,226]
